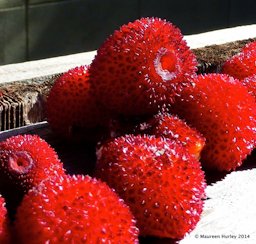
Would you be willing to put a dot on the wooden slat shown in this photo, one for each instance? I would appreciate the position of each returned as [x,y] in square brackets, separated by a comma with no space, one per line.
[44,67]
[51,66]
[222,36]
[229,214]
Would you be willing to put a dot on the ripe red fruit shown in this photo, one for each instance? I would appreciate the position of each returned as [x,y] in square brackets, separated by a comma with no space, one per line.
[242,65]
[77,209]
[4,228]
[139,65]
[72,110]
[220,108]
[251,46]
[26,160]
[159,180]
[250,83]
[172,127]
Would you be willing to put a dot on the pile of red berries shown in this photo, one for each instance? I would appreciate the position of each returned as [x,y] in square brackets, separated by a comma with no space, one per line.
[159,126]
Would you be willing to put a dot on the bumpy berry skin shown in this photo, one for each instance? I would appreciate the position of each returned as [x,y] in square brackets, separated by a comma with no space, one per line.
[251,46]
[26,160]
[223,111]
[162,184]
[250,83]
[139,65]
[76,209]
[4,225]
[172,127]
[71,107]
[242,65]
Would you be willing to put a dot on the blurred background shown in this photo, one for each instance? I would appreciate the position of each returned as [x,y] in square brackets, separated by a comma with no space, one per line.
[36,29]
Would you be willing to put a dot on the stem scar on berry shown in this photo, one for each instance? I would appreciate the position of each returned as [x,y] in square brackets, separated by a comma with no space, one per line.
[166,64]
[19,162]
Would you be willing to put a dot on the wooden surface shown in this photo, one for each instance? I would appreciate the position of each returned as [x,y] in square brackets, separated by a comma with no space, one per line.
[229,214]
[44,67]
[51,66]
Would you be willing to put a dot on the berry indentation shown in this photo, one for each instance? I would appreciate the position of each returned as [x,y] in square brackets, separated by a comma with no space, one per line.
[166,64]
[20,162]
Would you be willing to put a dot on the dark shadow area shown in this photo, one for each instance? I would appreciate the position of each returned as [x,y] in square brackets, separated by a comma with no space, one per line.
[68,27]
[39,29]
[12,34]
[249,163]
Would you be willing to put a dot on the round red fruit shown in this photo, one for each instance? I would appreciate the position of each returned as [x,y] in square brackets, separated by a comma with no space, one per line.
[159,180]
[25,161]
[77,209]
[223,111]
[72,110]
[4,223]
[139,65]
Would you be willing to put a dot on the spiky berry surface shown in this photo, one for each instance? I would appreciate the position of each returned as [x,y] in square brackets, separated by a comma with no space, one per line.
[220,108]
[172,127]
[139,65]
[71,106]
[243,64]
[251,46]
[4,229]
[250,83]
[26,160]
[77,209]
[162,184]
